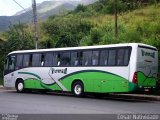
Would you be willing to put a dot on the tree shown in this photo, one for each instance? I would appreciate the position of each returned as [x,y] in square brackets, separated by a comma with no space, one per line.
[18,38]
[80,8]
[66,31]
[96,35]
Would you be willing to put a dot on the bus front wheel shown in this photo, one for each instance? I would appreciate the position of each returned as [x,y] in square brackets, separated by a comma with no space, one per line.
[78,89]
[20,86]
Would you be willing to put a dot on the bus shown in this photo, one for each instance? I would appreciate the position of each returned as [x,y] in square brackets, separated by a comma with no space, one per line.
[111,68]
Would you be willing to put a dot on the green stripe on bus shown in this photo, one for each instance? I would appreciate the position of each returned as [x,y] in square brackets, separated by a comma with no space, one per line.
[29,73]
[37,83]
[93,80]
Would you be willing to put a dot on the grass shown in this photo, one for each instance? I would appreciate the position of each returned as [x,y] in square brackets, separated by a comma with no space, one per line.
[149,14]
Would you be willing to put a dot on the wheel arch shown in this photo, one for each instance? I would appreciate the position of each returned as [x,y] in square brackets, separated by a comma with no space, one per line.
[77,80]
[19,79]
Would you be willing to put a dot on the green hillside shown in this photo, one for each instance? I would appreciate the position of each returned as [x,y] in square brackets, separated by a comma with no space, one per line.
[94,24]
[90,25]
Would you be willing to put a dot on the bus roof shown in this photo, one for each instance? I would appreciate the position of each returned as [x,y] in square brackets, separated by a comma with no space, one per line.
[81,48]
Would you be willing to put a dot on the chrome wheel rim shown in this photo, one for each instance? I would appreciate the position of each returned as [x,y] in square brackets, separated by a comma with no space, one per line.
[20,86]
[78,89]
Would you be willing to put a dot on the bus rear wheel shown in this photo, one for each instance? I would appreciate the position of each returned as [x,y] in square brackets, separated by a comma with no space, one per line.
[78,89]
[20,86]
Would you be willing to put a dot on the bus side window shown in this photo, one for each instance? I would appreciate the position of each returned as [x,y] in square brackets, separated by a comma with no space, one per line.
[126,57]
[48,59]
[104,57]
[95,56]
[19,60]
[26,60]
[120,57]
[86,58]
[58,59]
[11,62]
[36,59]
[74,59]
[65,59]
[30,59]
[6,63]
[80,57]
[42,59]
[112,57]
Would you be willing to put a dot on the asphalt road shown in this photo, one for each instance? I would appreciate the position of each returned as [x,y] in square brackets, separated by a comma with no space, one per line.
[36,106]
[36,103]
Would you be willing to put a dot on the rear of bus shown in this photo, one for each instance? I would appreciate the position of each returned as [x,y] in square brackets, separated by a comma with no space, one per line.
[146,67]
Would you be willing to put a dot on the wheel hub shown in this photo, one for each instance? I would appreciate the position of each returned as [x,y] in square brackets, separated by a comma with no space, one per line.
[78,89]
[20,86]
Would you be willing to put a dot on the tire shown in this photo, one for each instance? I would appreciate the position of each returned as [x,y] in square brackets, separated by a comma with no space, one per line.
[78,89]
[20,86]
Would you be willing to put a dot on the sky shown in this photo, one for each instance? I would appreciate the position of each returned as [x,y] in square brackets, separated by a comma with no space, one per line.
[9,7]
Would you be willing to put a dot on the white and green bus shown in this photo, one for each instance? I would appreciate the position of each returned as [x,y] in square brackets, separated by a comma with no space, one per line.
[98,69]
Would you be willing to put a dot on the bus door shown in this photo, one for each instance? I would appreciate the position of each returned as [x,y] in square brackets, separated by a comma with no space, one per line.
[8,71]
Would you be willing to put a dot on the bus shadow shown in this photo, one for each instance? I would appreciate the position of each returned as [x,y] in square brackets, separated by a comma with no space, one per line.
[119,98]
[88,96]
[112,97]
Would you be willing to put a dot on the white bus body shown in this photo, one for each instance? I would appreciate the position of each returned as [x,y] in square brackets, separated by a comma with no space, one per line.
[127,67]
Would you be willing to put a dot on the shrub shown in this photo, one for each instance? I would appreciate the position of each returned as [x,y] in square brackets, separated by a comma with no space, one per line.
[96,35]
